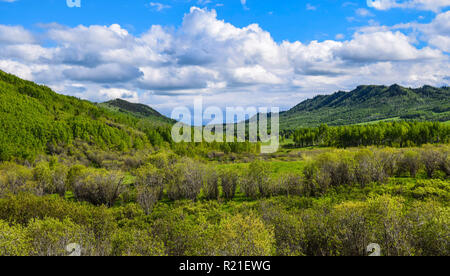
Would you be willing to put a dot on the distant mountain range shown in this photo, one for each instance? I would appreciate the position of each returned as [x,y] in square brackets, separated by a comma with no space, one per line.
[370,103]
[365,104]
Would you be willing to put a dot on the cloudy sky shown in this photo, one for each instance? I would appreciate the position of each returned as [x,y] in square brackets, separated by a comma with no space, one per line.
[233,52]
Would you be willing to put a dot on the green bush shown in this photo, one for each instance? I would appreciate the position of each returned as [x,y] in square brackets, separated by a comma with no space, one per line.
[389,225]
[241,235]
[185,180]
[99,186]
[24,208]
[135,242]
[13,240]
[430,229]
[210,183]
[430,159]
[50,237]
[288,184]
[16,179]
[409,163]
[257,179]
[229,180]
[368,168]
[149,186]
[289,230]
[51,180]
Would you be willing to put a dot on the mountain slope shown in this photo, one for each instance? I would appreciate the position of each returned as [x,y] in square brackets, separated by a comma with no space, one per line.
[35,120]
[368,104]
[138,110]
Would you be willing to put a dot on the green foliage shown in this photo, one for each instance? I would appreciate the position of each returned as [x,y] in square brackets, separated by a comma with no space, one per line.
[51,178]
[99,186]
[185,180]
[257,180]
[15,179]
[36,120]
[243,236]
[108,177]
[409,162]
[431,159]
[229,180]
[370,103]
[14,240]
[210,183]
[398,134]
[149,186]
[50,237]
[135,242]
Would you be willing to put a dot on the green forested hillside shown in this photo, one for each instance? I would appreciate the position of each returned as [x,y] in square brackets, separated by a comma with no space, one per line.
[34,119]
[368,104]
[138,110]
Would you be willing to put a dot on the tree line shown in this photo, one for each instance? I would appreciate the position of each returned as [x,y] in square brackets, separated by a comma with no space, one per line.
[393,134]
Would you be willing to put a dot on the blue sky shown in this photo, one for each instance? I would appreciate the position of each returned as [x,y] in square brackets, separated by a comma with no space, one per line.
[284,19]
[251,52]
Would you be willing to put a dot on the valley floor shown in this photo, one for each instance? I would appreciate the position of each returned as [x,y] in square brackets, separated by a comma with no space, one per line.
[317,201]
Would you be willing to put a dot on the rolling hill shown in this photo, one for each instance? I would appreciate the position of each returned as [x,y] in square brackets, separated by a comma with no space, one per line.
[137,109]
[370,103]
[35,120]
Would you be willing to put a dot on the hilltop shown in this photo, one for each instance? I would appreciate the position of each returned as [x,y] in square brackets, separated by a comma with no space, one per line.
[137,109]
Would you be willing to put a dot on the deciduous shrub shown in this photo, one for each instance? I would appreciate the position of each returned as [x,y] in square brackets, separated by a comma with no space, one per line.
[185,180]
[99,186]
[410,163]
[368,168]
[51,180]
[389,159]
[430,159]
[16,179]
[389,226]
[349,222]
[50,237]
[444,164]
[241,235]
[229,179]
[149,186]
[24,208]
[257,179]
[210,183]
[289,230]
[135,242]
[313,181]
[288,184]
[429,231]
[13,240]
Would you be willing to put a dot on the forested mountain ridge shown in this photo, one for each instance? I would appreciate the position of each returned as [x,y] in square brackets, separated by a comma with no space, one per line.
[136,109]
[369,103]
[35,120]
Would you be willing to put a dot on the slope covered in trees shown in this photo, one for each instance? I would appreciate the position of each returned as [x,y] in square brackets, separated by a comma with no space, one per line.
[138,110]
[35,120]
[370,103]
